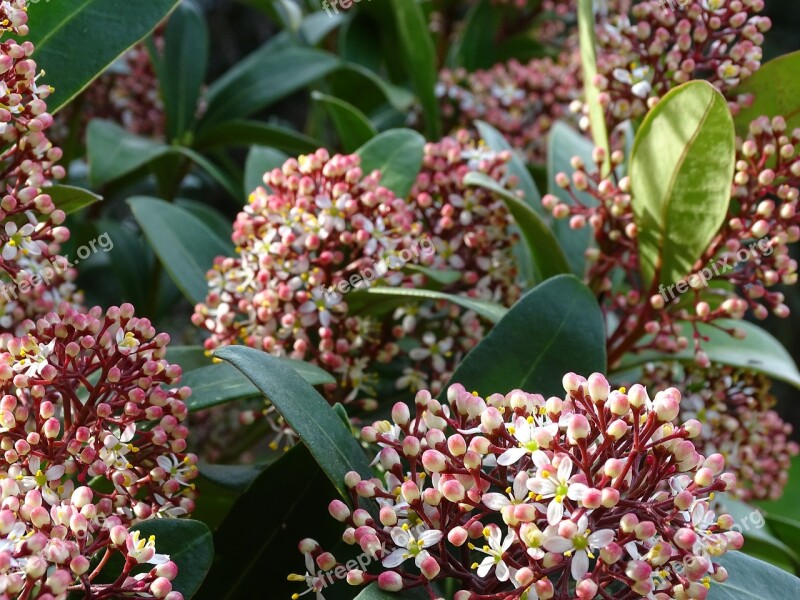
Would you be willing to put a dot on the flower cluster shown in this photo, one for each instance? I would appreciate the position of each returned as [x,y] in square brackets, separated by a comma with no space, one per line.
[593,492]
[321,221]
[522,101]
[129,94]
[735,407]
[646,49]
[747,257]
[83,401]
[32,227]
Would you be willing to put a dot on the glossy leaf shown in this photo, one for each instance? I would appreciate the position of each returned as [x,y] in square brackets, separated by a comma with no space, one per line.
[352,126]
[548,258]
[184,244]
[285,496]
[476,44]
[259,162]
[373,592]
[776,89]
[555,328]
[76,40]
[114,152]
[241,132]
[264,77]
[750,578]
[311,417]
[564,143]
[184,66]
[681,172]
[189,545]
[419,55]
[71,199]
[489,310]
[220,383]
[397,154]
[214,220]
[759,351]
[130,261]
[597,117]
[516,166]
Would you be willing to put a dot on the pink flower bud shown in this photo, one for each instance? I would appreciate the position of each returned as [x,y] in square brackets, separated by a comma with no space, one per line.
[599,387]
[410,491]
[578,428]
[355,577]
[609,497]
[491,420]
[434,461]
[401,414]
[339,510]
[637,396]
[685,538]
[390,581]
[586,589]
[704,477]
[429,568]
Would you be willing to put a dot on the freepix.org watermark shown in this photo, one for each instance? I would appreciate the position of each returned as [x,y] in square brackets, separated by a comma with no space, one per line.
[27,281]
[714,269]
[332,6]
[367,275]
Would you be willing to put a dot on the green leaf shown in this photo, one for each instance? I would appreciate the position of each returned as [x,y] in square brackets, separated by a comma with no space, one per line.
[242,132]
[114,152]
[222,178]
[776,88]
[489,310]
[555,328]
[130,261]
[476,45]
[359,77]
[236,478]
[311,417]
[214,220]
[759,538]
[259,161]
[752,578]
[184,244]
[220,383]
[597,117]
[681,172]
[373,592]
[185,59]
[516,166]
[419,53]
[548,258]
[563,144]
[352,126]
[71,199]
[188,357]
[264,77]
[759,351]
[76,40]
[398,155]
[189,545]
[260,533]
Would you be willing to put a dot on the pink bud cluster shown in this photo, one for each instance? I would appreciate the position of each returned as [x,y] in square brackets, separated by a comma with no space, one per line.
[747,257]
[522,101]
[735,407]
[128,95]
[31,229]
[646,49]
[88,397]
[324,220]
[595,492]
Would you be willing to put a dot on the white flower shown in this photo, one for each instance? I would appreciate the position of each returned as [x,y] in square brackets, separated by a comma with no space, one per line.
[39,480]
[410,547]
[527,432]
[176,469]
[436,350]
[33,361]
[115,448]
[144,551]
[546,484]
[495,550]
[636,78]
[19,239]
[580,546]
[517,494]
[126,341]
[313,579]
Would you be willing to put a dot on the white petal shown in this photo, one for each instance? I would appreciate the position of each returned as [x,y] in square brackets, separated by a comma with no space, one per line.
[580,564]
[55,472]
[485,566]
[9,252]
[501,572]
[601,538]
[558,544]
[564,469]
[394,559]
[577,491]
[510,456]
[430,538]
[555,512]
[400,537]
